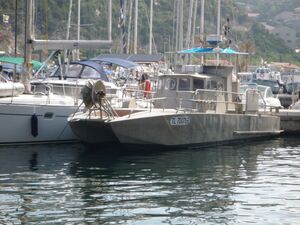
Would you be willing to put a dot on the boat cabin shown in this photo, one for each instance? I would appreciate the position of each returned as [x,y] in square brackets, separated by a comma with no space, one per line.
[182,88]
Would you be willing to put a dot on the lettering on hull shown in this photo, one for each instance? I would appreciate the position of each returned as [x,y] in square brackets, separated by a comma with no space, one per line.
[180,120]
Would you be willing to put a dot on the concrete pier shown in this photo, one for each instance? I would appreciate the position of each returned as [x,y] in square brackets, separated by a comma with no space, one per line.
[289,120]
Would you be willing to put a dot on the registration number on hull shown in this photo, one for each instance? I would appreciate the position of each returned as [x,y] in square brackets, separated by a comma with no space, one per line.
[179,120]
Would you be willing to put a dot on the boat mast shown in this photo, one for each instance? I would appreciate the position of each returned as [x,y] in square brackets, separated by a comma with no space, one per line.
[202,20]
[78,28]
[151,20]
[194,23]
[69,20]
[181,25]
[129,27]
[122,27]
[189,27]
[109,20]
[27,68]
[135,27]
[68,26]
[218,28]
[202,28]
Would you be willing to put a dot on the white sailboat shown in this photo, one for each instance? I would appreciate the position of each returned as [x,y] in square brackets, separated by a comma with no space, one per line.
[39,117]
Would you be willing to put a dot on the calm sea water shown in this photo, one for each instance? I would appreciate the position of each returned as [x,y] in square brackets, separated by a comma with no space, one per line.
[252,183]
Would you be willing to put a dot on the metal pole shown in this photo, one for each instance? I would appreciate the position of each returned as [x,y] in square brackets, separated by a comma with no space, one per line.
[218,27]
[202,28]
[194,23]
[181,26]
[135,27]
[69,20]
[78,27]
[151,20]
[202,20]
[129,27]
[27,71]
[189,28]
[122,27]
[109,19]
[219,17]
[68,26]
[16,27]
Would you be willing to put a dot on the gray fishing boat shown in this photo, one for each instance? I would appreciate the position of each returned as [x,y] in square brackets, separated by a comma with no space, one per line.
[189,109]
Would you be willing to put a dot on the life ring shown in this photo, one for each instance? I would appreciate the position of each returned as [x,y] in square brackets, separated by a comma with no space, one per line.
[147,88]
[262,75]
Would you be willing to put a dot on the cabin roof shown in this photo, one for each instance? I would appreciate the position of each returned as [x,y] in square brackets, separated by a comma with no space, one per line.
[194,75]
[117,61]
[138,58]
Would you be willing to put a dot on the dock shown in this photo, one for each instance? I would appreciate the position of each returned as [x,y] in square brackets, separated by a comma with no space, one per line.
[289,120]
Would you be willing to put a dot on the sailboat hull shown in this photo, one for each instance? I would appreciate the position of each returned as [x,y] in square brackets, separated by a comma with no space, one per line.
[34,122]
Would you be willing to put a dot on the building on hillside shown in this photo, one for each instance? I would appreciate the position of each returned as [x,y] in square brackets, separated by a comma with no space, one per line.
[286,16]
[289,18]
[284,67]
[253,15]
[288,35]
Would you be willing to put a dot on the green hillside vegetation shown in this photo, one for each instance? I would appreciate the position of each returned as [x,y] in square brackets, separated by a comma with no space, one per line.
[51,23]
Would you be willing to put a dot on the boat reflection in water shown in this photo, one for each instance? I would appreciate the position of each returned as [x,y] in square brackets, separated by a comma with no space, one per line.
[231,184]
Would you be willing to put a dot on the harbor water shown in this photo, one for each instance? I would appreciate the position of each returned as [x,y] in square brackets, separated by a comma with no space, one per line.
[245,183]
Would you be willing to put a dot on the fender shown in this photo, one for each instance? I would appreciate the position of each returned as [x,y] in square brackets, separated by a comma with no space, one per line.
[34,125]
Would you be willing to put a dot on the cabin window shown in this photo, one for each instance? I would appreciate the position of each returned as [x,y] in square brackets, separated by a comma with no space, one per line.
[160,84]
[220,86]
[198,84]
[90,73]
[269,93]
[73,71]
[212,84]
[184,84]
[170,84]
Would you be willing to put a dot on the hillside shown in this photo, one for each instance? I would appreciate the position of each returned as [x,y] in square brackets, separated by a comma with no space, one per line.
[51,23]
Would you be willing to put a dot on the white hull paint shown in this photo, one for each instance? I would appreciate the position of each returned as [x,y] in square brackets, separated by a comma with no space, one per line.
[52,125]
[11,89]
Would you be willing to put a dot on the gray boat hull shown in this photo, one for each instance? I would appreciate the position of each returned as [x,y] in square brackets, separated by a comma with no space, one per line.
[192,129]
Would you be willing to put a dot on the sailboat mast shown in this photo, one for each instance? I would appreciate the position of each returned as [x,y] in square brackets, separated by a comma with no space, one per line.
[16,28]
[202,27]
[78,27]
[219,18]
[151,20]
[122,27]
[189,28]
[27,72]
[181,25]
[202,20]
[69,20]
[109,20]
[129,27]
[194,23]
[218,28]
[135,26]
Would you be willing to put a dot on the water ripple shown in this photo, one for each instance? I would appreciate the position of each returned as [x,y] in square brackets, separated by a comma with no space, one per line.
[68,184]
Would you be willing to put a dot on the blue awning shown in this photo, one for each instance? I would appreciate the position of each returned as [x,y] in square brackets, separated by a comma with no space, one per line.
[120,62]
[200,50]
[197,50]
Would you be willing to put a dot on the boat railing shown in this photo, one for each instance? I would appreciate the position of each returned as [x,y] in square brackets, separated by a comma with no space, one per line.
[48,89]
[206,100]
